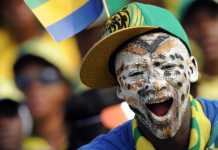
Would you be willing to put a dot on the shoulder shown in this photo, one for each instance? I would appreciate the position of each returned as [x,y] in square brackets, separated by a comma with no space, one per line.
[119,138]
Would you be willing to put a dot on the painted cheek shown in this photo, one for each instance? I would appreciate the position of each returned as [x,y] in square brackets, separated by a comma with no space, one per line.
[185,92]
[130,83]
[176,77]
[181,78]
[132,101]
[136,85]
[169,77]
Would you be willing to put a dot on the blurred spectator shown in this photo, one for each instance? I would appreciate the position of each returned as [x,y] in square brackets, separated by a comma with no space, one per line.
[91,114]
[11,131]
[44,72]
[176,6]
[18,20]
[8,55]
[201,22]
[11,135]
[87,38]
[83,120]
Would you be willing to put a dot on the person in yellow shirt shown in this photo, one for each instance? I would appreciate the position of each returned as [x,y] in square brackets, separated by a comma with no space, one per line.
[44,72]
[201,22]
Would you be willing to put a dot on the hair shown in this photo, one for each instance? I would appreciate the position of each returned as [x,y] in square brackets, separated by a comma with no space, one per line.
[209,5]
[8,108]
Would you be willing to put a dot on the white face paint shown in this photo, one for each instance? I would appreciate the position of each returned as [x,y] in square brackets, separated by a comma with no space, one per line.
[154,73]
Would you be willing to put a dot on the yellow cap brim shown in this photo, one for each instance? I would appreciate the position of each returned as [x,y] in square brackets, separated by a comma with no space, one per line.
[95,68]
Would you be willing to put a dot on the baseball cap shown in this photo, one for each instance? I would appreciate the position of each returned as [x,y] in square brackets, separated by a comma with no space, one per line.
[134,19]
[65,55]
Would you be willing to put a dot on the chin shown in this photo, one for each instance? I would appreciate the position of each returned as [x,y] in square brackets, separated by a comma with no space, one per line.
[167,124]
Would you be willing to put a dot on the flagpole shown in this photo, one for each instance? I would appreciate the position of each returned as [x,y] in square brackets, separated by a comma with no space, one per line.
[106,8]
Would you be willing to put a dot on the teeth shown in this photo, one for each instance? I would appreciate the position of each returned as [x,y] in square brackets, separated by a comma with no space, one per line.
[158,101]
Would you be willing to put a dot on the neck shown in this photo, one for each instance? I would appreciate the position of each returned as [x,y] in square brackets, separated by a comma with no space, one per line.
[179,142]
[211,70]
[52,129]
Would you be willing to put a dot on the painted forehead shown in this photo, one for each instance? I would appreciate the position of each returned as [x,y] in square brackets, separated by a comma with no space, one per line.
[158,43]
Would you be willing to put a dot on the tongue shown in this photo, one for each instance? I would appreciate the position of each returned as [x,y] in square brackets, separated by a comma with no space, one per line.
[160,109]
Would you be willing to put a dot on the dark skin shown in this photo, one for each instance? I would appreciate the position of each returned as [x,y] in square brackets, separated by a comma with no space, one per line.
[179,142]
[10,133]
[46,103]
[89,37]
[17,18]
[203,28]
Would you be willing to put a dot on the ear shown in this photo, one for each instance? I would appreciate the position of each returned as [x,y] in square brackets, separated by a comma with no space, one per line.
[119,92]
[193,69]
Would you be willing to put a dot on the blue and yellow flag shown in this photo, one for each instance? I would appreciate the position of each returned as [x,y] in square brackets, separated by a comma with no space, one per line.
[65,18]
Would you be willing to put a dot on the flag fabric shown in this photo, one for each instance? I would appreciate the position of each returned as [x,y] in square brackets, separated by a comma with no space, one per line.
[65,18]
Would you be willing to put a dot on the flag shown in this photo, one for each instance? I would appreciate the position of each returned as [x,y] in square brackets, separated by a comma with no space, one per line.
[65,18]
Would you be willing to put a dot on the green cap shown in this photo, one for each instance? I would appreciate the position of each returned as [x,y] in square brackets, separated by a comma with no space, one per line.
[132,20]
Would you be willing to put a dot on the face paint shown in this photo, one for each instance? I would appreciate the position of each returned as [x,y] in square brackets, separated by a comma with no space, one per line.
[152,72]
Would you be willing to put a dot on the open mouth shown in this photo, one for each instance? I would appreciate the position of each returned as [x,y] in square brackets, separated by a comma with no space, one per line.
[160,109]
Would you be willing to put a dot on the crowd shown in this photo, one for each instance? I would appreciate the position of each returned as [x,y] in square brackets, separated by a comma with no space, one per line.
[45,106]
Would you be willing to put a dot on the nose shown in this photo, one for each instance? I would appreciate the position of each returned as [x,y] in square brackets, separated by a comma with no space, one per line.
[148,88]
[151,87]
[33,87]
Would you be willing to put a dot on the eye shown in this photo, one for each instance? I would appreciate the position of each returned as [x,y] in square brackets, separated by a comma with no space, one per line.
[168,66]
[135,73]
[156,64]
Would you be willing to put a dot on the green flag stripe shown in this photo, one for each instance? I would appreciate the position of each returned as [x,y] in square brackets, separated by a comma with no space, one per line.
[34,3]
[195,126]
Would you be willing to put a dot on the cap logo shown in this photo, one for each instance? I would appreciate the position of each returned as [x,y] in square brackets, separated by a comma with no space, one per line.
[118,21]
[127,17]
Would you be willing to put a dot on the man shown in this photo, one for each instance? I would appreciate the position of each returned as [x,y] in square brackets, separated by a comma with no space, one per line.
[201,22]
[17,18]
[44,72]
[146,54]
[11,135]
[11,125]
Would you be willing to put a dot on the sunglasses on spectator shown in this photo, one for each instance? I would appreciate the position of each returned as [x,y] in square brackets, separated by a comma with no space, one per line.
[46,77]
